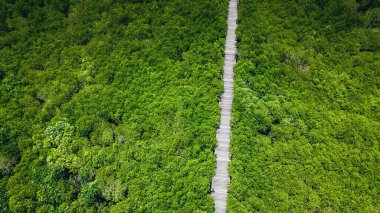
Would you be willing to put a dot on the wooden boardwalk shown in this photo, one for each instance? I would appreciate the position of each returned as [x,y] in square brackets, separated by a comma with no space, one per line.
[219,186]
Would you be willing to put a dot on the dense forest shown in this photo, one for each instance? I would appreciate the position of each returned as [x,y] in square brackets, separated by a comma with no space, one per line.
[306,114]
[112,106]
[109,105]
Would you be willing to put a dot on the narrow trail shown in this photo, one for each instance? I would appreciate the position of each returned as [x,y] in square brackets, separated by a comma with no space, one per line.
[220,181]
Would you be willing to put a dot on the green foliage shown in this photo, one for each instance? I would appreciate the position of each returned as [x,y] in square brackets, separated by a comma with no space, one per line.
[112,106]
[306,109]
[109,105]
[3,197]
[89,194]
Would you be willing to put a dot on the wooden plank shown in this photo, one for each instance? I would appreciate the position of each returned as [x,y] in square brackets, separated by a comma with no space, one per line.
[219,185]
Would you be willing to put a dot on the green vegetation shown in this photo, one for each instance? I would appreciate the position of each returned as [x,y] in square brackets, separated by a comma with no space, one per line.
[112,106]
[109,105]
[306,115]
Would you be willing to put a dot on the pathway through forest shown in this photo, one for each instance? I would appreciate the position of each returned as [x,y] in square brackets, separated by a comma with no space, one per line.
[220,181]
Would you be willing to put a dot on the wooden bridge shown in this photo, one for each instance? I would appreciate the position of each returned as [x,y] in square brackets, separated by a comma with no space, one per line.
[220,181]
